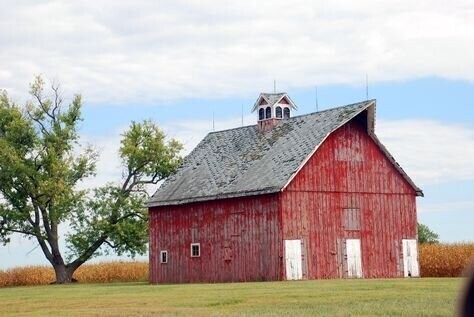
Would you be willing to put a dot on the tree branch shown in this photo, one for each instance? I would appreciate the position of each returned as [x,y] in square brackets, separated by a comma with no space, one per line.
[88,253]
[43,107]
[47,228]
[20,231]
[57,99]
[42,127]
[44,247]
[98,243]
[127,180]
[110,244]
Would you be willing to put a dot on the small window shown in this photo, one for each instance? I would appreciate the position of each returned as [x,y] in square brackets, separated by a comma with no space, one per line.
[286,113]
[261,114]
[352,219]
[278,112]
[195,250]
[163,256]
[268,113]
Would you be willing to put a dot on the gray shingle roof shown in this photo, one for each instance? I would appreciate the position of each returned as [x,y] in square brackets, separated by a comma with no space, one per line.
[273,98]
[243,161]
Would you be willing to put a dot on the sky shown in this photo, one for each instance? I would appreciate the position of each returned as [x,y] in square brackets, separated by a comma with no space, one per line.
[183,63]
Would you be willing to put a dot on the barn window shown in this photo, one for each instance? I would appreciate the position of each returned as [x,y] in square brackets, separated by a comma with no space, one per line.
[268,113]
[278,112]
[195,250]
[286,113]
[352,219]
[163,256]
[261,114]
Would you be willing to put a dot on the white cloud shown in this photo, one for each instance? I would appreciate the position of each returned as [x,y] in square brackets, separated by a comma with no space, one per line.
[109,169]
[114,51]
[430,151]
[450,206]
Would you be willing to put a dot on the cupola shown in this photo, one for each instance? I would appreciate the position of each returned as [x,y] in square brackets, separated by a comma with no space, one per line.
[272,108]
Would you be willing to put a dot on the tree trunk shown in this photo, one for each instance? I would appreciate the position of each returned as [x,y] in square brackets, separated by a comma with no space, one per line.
[63,274]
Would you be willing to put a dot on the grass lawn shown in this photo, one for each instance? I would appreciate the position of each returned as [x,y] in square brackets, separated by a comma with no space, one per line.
[400,297]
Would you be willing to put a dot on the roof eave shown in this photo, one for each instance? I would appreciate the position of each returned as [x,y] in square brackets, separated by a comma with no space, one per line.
[256,104]
[397,166]
[292,104]
[174,202]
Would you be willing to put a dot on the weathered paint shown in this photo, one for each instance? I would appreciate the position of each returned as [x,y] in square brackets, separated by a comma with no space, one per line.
[348,189]
[293,260]
[410,258]
[354,260]
[347,173]
[239,239]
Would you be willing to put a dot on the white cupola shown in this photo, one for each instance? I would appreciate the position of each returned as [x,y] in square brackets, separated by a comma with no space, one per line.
[272,108]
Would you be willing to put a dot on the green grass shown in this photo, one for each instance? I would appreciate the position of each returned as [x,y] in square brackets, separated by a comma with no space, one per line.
[399,297]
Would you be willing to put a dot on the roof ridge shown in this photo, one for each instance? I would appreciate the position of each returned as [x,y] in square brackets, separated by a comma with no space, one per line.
[236,128]
[335,108]
[298,116]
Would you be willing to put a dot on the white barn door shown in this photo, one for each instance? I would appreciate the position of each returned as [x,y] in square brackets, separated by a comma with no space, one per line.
[293,260]
[410,258]
[354,260]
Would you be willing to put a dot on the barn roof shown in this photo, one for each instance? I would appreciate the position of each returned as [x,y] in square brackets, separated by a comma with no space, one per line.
[273,98]
[244,161]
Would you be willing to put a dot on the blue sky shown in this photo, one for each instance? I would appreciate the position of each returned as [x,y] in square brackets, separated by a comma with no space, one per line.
[184,62]
[450,101]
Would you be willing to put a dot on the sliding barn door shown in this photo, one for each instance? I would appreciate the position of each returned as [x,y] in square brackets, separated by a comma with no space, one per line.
[354,259]
[293,260]
[410,258]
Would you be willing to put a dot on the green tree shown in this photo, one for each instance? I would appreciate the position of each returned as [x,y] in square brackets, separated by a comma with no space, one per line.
[425,235]
[41,165]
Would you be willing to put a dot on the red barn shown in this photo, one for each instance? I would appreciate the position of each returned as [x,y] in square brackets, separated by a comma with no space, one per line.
[314,196]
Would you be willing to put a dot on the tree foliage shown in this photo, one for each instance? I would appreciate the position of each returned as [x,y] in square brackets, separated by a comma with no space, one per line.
[42,164]
[425,235]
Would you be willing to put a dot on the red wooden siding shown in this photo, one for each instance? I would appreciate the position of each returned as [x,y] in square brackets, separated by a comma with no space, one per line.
[348,189]
[349,172]
[240,241]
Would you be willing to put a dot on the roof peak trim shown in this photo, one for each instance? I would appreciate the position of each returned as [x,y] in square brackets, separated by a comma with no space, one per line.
[272,101]
[370,104]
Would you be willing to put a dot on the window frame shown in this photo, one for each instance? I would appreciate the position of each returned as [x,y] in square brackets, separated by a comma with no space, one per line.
[197,244]
[261,114]
[161,256]
[268,113]
[286,111]
[279,112]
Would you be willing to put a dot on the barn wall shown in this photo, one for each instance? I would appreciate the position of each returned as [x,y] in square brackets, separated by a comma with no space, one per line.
[349,173]
[240,241]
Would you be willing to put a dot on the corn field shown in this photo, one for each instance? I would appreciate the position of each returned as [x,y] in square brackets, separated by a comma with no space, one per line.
[445,260]
[436,260]
[91,273]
